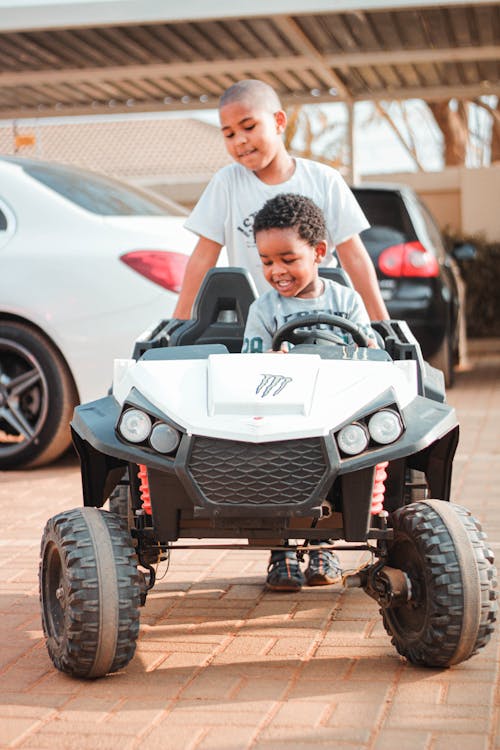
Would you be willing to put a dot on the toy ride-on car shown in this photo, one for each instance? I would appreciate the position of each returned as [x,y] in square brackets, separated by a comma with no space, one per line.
[199,441]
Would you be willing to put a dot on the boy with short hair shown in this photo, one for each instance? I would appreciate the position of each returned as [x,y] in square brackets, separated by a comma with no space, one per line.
[253,123]
[290,235]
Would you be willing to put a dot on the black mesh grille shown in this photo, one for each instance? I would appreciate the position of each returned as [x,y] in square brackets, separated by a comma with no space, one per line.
[233,473]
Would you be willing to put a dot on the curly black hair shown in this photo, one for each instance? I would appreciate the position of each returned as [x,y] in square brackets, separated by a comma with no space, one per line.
[291,211]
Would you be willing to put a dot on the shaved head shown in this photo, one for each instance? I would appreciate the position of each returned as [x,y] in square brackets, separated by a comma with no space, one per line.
[254,92]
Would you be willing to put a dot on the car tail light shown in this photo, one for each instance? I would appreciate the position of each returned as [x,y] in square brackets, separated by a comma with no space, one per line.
[160,266]
[409,259]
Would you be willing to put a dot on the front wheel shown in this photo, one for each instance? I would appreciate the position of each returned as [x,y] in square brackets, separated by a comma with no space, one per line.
[451,613]
[89,592]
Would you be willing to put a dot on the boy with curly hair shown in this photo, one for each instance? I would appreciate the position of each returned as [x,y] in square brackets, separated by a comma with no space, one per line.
[290,234]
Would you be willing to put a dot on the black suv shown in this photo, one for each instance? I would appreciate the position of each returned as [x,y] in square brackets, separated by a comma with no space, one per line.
[417,272]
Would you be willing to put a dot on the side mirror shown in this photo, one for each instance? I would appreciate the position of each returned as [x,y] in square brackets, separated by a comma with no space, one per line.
[464,251]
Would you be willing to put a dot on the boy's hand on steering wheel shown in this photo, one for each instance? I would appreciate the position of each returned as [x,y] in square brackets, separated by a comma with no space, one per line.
[282,350]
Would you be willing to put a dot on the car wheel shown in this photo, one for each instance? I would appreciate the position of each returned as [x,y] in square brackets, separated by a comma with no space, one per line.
[37,398]
[452,579]
[89,592]
[443,360]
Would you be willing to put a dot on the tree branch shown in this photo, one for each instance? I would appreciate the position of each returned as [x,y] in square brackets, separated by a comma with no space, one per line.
[383,112]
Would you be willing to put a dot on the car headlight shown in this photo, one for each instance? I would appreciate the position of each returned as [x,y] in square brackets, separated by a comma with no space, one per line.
[164,438]
[135,425]
[353,438]
[385,426]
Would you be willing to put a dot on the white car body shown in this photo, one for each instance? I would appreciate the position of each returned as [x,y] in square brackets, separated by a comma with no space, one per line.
[60,272]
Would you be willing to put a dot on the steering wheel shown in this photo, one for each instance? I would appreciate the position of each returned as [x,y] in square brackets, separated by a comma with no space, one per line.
[290,331]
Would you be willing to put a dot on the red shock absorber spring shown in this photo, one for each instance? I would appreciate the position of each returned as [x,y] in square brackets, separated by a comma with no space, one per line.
[144,488]
[379,488]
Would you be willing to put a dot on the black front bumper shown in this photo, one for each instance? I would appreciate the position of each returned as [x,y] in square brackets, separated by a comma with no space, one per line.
[226,479]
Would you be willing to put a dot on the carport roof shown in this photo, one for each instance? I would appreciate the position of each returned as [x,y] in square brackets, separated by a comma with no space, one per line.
[72,57]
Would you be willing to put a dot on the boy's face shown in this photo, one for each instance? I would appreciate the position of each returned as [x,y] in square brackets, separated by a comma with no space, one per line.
[251,133]
[289,263]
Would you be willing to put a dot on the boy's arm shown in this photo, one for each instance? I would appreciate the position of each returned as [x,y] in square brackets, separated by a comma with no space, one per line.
[355,260]
[203,257]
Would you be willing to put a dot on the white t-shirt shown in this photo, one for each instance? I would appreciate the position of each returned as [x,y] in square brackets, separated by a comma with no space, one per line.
[226,209]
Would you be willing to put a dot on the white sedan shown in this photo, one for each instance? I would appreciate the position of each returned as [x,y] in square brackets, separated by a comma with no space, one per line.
[86,264]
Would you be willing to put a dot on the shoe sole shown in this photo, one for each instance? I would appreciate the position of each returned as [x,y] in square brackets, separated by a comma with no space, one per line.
[321,580]
[283,587]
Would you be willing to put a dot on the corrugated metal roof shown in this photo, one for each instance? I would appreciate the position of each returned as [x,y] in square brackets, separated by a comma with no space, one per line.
[399,52]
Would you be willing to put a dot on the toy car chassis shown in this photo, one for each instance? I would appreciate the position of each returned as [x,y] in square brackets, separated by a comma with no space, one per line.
[199,441]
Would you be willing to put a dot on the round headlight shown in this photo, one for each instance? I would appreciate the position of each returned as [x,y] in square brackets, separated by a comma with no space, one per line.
[135,425]
[352,439]
[164,438]
[385,426]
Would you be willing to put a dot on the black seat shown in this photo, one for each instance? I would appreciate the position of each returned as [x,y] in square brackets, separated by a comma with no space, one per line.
[335,273]
[220,310]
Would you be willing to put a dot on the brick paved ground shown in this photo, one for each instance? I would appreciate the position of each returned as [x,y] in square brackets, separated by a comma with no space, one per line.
[221,665]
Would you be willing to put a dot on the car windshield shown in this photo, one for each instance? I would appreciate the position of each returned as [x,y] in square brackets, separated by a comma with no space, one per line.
[93,192]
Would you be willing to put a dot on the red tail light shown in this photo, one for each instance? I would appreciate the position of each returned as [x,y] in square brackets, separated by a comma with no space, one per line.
[160,266]
[410,259]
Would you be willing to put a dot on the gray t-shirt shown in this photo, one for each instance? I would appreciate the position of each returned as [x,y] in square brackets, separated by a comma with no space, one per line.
[270,311]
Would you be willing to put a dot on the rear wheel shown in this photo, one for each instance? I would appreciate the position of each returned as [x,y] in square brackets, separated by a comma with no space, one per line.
[443,360]
[452,609]
[120,503]
[416,487]
[89,592]
[37,398]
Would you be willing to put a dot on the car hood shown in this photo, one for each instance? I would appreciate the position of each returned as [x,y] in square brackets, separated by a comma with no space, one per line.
[263,397]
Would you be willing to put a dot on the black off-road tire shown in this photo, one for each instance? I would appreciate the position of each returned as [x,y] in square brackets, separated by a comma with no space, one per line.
[89,592]
[453,608]
[37,398]
[443,359]
[417,488]
[120,503]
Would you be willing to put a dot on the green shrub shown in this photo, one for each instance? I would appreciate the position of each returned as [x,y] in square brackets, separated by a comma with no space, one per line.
[482,277]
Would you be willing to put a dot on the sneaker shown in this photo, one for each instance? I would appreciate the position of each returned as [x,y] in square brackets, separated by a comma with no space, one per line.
[283,572]
[323,569]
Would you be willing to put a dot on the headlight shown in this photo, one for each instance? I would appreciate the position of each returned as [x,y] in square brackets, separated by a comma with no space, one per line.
[385,426]
[164,438]
[352,439]
[135,425]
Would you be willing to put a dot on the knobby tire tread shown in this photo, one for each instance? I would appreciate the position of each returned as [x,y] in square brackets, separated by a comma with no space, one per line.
[441,641]
[78,648]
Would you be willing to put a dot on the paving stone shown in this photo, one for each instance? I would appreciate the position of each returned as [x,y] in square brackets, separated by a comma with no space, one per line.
[463,740]
[16,728]
[395,739]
